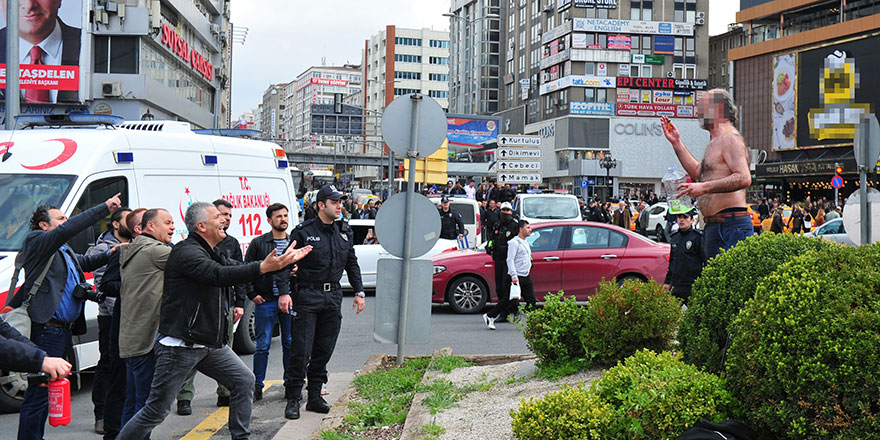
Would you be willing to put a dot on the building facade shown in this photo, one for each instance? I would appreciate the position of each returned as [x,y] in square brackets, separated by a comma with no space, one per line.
[163,59]
[802,81]
[317,85]
[271,112]
[475,30]
[720,68]
[592,78]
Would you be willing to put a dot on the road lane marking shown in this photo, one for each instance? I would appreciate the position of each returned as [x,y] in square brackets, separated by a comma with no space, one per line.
[217,420]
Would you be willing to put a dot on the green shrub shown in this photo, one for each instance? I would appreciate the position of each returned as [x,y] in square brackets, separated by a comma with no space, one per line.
[624,319]
[727,282]
[571,413]
[657,396]
[805,352]
[552,332]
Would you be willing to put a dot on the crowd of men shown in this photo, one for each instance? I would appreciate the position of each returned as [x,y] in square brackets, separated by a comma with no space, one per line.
[171,308]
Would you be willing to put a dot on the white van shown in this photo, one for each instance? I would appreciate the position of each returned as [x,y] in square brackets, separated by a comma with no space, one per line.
[537,208]
[470,214]
[155,164]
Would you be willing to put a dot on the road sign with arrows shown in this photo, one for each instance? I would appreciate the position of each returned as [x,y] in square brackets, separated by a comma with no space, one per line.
[518,165]
[518,153]
[519,177]
[505,140]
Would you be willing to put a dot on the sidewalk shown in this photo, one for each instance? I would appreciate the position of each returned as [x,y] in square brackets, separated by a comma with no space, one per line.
[309,422]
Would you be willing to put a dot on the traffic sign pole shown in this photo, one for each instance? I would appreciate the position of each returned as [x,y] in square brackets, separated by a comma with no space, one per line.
[863,179]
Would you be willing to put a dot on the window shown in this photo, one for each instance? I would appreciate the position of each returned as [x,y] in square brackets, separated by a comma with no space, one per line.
[587,237]
[590,94]
[121,53]
[438,60]
[402,58]
[545,239]
[589,68]
[407,75]
[167,70]
[441,44]
[404,41]
[640,10]
[438,93]
[437,77]
[601,95]
[97,192]
[20,194]
[602,40]
[398,92]
[646,71]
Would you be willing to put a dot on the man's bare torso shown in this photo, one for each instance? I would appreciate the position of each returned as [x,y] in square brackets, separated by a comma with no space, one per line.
[714,167]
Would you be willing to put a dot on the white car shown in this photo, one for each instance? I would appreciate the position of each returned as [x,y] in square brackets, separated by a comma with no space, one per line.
[537,208]
[470,215]
[657,219]
[832,230]
[368,255]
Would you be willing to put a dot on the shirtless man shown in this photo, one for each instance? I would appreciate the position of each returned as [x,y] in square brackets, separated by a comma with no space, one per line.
[723,176]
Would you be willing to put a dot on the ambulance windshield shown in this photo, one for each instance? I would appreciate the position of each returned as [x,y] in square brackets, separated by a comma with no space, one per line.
[20,195]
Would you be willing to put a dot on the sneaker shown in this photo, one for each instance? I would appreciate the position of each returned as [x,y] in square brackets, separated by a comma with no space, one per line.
[490,322]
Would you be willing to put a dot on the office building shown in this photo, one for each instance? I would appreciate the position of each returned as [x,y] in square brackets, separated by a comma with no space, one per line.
[317,85]
[271,112]
[720,68]
[802,79]
[159,59]
[475,30]
[592,78]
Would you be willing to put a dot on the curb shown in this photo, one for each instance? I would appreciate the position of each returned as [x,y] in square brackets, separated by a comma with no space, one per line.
[337,412]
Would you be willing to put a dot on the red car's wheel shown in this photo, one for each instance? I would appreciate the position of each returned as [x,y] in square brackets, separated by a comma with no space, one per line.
[467,294]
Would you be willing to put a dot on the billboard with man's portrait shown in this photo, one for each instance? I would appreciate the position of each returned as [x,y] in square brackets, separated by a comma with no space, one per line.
[50,43]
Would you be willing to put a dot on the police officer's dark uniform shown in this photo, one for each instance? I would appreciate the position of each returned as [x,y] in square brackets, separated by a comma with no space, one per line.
[504,231]
[687,256]
[451,224]
[317,302]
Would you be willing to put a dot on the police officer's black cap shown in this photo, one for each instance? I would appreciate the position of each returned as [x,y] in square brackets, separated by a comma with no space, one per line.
[329,192]
[444,199]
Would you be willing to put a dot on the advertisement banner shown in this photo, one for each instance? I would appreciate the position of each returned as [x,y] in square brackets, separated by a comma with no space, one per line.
[622,95]
[591,108]
[601,69]
[783,93]
[50,73]
[330,82]
[578,81]
[664,44]
[471,131]
[599,4]
[650,110]
[620,42]
[662,97]
[612,26]
[655,59]
[828,116]
[662,83]
[579,41]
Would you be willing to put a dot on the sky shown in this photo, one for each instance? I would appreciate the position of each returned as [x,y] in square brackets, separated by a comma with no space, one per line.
[287,37]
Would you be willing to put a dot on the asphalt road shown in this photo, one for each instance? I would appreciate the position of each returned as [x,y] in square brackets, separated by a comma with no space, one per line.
[466,334]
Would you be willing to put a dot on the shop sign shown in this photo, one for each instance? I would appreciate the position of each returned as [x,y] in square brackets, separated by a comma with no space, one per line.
[598,4]
[179,46]
[613,26]
[620,42]
[664,44]
[329,82]
[662,83]
[591,108]
[802,168]
[662,97]
[653,110]
[578,81]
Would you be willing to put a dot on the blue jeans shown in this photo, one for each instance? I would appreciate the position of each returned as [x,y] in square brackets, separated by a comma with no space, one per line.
[35,408]
[264,318]
[173,364]
[139,378]
[727,234]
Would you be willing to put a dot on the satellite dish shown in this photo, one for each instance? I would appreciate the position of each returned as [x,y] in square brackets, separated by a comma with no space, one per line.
[852,216]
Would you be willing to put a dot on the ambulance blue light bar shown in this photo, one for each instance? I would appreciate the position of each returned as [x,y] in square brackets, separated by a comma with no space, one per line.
[123,156]
[67,120]
[209,159]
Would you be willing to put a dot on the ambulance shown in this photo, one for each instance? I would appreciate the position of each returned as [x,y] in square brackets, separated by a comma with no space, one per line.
[77,161]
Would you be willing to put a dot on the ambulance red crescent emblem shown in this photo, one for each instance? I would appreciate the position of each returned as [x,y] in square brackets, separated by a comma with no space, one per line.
[66,153]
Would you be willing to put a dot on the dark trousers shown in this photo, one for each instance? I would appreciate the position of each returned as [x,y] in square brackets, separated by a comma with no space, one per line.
[139,380]
[314,338]
[102,370]
[35,409]
[507,306]
[502,290]
[114,401]
[727,234]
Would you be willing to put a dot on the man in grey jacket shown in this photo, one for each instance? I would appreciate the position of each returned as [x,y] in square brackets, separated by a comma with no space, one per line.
[142,264]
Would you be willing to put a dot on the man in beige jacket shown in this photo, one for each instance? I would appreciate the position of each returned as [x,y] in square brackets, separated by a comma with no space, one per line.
[142,264]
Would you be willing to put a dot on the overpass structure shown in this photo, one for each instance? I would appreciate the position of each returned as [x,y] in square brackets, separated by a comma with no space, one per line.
[346,159]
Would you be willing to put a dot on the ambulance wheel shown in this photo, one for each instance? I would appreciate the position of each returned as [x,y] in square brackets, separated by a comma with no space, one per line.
[244,340]
[12,387]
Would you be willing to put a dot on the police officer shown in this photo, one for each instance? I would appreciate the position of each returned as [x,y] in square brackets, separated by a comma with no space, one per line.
[317,302]
[504,231]
[687,254]
[451,224]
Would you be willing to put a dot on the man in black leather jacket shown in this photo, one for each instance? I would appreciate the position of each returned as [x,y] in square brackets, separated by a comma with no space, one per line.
[193,323]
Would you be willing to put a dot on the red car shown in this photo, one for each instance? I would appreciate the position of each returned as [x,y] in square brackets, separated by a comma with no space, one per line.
[572,256]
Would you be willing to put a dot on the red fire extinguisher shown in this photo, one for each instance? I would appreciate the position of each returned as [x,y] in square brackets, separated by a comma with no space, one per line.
[59,402]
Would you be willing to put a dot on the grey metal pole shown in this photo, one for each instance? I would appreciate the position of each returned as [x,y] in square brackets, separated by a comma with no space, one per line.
[411,154]
[864,206]
[13,86]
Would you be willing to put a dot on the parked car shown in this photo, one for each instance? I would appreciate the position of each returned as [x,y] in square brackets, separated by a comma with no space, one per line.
[368,255]
[657,220]
[470,215]
[538,208]
[832,230]
[572,256]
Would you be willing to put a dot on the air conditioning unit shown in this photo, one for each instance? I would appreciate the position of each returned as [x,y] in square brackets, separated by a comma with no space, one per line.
[215,28]
[701,15]
[670,74]
[111,89]
[155,14]
[700,21]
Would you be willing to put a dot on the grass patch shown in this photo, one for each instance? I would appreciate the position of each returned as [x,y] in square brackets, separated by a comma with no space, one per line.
[444,394]
[386,383]
[432,432]
[447,363]
[557,369]
[333,435]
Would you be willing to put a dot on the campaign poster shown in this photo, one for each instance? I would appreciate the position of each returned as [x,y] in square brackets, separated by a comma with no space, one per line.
[50,39]
[471,131]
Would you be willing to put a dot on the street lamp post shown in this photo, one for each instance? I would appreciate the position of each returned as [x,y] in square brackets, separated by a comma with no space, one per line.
[608,163]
